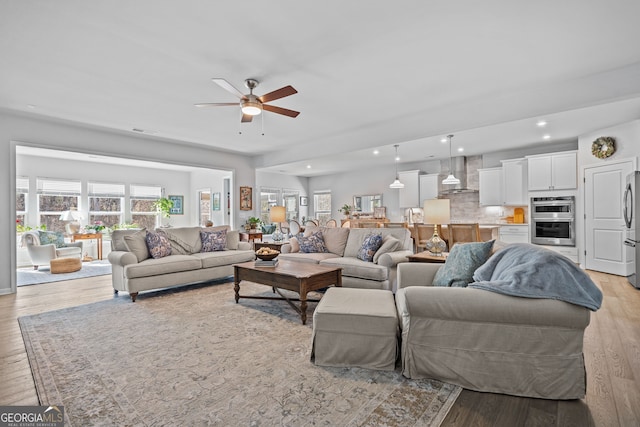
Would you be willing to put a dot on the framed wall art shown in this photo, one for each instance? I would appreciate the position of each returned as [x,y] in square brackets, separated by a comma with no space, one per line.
[215,202]
[178,205]
[246,199]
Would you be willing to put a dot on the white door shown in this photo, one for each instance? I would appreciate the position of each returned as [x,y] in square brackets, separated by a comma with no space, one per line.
[604,219]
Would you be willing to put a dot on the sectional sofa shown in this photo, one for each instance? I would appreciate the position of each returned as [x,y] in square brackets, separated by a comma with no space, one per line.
[135,270]
[342,247]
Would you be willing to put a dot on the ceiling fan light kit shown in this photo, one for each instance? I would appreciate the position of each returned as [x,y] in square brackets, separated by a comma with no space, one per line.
[250,104]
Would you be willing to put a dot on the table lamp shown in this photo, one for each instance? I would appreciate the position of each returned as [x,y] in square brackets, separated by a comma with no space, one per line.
[436,212]
[277,214]
[73,216]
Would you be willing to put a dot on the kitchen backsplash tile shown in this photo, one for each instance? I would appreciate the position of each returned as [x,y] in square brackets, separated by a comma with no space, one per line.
[465,208]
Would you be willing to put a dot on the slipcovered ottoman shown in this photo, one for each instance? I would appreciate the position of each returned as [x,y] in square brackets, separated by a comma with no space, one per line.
[355,327]
[65,265]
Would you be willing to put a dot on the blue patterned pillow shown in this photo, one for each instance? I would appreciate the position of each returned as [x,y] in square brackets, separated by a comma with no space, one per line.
[463,260]
[213,240]
[369,247]
[313,243]
[52,237]
[158,244]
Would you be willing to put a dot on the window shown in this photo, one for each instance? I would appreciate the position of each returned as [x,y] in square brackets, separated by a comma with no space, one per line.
[322,206]
[290,201]
[55,197]
[105,203]
[204,206]
[268,197]
[141,198]
[22,194]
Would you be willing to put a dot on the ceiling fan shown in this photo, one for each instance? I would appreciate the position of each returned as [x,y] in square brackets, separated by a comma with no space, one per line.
[250,104]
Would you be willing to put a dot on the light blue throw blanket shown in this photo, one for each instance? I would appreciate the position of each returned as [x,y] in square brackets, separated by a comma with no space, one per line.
[530,271]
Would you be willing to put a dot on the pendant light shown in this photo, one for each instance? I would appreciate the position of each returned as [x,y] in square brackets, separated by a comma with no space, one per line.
[450,180]
[396,183]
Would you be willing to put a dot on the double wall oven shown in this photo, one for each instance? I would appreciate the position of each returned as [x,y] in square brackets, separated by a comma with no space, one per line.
[553,221]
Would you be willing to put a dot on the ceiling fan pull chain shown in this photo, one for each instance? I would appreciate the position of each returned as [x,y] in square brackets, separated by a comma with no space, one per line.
[262,124]
[240,124]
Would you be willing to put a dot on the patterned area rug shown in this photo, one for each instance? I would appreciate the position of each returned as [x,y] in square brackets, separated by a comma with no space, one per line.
[192,356]
[29,276]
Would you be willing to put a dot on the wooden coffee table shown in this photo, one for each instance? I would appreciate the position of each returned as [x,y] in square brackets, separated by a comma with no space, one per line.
[300,277]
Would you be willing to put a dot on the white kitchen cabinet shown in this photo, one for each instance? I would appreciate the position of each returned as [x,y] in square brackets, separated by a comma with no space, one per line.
[409,196]
[514,233]
[557,171]
[514,178]
[428,187]
[490,180]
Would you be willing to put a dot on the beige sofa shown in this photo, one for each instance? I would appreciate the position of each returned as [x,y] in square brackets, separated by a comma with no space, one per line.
[134,272]
[343,245]
[487,341]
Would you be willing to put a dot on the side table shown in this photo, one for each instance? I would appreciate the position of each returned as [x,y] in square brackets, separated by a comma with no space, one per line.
[89,236]
[250,236]
[428,257]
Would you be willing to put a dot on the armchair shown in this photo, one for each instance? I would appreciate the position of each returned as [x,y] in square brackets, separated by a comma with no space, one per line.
[43,254]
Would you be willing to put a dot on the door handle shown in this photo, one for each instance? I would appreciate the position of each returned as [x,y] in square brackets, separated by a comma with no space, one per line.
[630,243]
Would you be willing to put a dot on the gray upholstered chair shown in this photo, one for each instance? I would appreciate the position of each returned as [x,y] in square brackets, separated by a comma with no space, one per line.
[43,254]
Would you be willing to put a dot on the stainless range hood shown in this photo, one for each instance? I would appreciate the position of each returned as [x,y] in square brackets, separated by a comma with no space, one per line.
[459,170]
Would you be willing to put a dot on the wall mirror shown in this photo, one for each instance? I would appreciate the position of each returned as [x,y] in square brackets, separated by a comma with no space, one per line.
[367,203]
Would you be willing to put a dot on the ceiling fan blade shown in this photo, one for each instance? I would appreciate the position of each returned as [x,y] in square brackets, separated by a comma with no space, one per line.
[216,104]
[246,118]
[280,110]
[228,86]
[277,94]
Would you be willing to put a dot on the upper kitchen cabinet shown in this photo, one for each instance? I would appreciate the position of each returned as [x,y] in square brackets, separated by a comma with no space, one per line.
[514,178]
[557,171]
[428,187]
[491,192]
[409,196]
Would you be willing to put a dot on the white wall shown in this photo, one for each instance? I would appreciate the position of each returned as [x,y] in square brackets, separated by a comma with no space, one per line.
[37,131]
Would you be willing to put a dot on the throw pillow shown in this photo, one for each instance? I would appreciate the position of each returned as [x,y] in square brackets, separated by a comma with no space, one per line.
[213,240]
[389,244]
[233,239]
[137,244]
[52,238]
[295,245]
[369,247]
[158,244]
[312,244]
[463,260]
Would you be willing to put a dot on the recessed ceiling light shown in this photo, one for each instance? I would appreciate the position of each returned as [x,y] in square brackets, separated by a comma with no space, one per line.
[541,123]
[443,140]
[397,158]
[460,150]
[376,152]
[308,166]
[546,137]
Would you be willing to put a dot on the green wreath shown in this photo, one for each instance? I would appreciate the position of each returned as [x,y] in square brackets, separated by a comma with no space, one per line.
[603,147]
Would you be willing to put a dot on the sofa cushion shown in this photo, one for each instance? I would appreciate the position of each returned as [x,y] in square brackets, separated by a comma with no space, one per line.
[221,258]
[158,244]
[213,240]
[335,239]
[463,260]
[354,267]
[166,265]
[313,243]
[136,243]
[357,236]
[369,247]
[117,238]
[233,239]
[295,246]
[52,238]
[313,258]
[389,244]
[184,240]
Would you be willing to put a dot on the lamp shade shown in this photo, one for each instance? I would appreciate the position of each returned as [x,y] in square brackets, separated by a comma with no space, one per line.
[278,214]
[437,211]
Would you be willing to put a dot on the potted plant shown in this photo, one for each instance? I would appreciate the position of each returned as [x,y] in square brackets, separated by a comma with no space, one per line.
[253,222]
[163,205]
[346,210]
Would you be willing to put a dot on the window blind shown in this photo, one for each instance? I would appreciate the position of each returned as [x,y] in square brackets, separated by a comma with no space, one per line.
[22,184]
[105,189]
[58,187]
[145,192]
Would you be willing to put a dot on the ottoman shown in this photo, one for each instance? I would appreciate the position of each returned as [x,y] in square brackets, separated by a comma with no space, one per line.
[355,327]
[65,265]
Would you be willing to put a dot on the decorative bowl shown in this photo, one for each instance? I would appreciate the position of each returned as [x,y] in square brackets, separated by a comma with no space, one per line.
[268,257]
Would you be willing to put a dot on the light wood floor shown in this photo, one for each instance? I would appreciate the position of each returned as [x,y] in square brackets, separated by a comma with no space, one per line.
[612,356]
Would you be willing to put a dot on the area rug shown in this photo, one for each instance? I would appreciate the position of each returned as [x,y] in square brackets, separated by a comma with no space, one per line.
[29,276]
[192,356]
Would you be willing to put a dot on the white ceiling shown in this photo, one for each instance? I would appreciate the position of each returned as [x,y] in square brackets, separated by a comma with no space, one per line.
[369,74]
